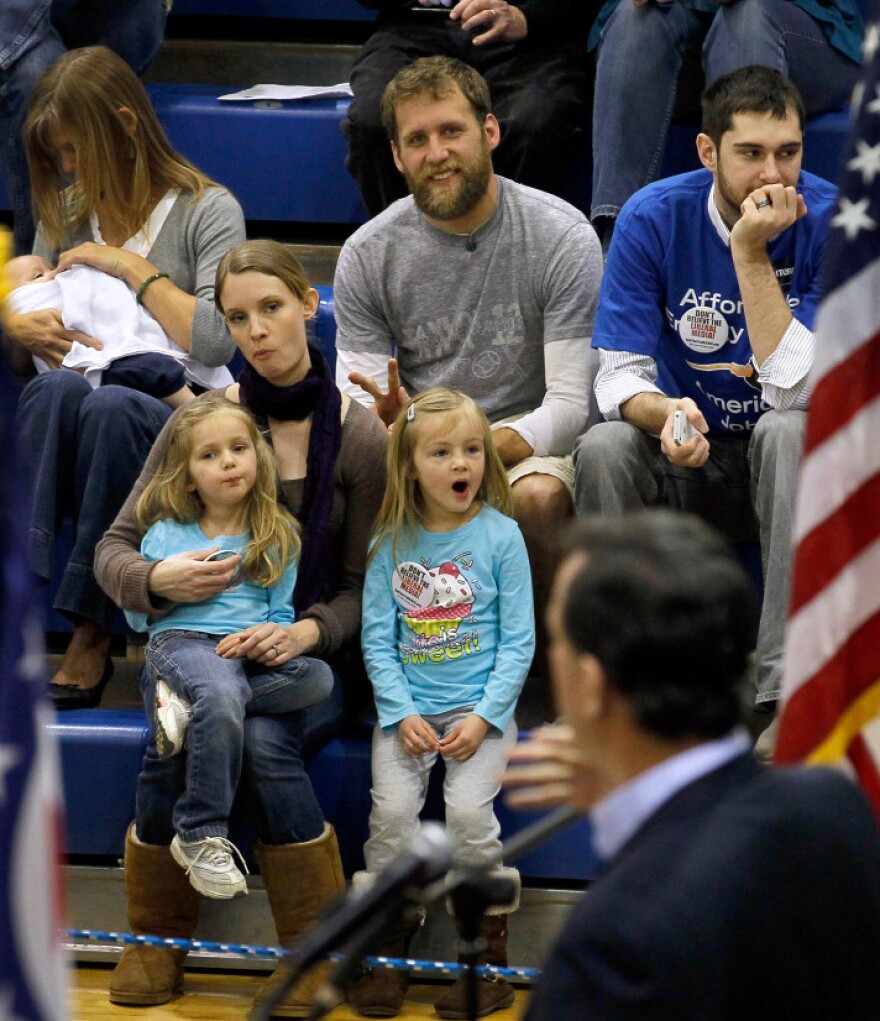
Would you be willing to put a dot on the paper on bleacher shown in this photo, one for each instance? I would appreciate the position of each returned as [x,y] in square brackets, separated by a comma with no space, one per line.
[288,92]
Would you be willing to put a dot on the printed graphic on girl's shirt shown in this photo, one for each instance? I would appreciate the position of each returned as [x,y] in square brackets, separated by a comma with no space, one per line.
[436,602]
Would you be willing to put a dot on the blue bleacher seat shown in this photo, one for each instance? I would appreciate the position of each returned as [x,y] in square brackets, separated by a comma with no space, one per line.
[101,753]
[282,161]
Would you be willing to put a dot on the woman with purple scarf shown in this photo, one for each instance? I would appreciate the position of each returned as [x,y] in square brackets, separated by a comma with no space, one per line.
[331,459]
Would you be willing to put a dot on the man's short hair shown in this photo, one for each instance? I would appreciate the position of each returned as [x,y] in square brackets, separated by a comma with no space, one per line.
[437,77]
[749,90]
[670,615]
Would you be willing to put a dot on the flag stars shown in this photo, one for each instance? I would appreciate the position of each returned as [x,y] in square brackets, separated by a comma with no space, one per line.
[874,105]
[867,162]
[9,757]
[853,217]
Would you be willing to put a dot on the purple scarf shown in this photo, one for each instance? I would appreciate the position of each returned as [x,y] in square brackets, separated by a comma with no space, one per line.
[316,395]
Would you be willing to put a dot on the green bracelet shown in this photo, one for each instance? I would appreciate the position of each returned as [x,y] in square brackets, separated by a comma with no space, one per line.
[140,291]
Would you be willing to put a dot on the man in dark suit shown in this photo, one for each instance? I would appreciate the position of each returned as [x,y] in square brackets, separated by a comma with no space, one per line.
[729,890]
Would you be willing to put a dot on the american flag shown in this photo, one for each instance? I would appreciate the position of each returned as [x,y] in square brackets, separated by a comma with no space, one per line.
[32,970]
[831,711]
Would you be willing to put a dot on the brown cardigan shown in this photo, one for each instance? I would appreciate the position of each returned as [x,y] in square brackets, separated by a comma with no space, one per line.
[360,485]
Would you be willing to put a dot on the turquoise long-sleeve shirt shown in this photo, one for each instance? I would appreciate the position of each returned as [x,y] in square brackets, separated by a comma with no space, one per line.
[451,622]
[240,606]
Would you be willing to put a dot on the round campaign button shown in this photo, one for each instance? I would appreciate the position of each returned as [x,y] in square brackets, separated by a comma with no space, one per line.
[412,585]
[703,329]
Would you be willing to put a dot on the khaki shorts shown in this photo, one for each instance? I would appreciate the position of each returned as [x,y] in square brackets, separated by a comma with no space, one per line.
[561,468]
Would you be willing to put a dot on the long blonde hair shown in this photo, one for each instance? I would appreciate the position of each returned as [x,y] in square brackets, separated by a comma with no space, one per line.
[403,507]
[82,94]
[274,541]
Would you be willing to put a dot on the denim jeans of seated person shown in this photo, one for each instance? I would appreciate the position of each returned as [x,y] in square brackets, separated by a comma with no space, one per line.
[82,450]
[222,693]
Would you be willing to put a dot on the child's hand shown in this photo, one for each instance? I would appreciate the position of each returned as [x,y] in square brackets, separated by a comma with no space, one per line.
[465,738]
[417,736]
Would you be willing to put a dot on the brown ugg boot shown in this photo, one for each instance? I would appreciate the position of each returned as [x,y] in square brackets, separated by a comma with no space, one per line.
[300,881]
[379,992]
[160,903]
[493,993]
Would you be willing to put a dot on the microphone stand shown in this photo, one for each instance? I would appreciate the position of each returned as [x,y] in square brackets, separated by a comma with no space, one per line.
[472,889]
[464,877]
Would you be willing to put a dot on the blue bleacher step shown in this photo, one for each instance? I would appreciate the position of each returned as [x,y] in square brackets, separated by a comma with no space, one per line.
[283,161]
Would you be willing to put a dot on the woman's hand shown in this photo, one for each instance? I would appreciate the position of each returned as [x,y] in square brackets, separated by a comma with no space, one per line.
[43,334]
[270,644]
[465,738]
[190,578]
[118,262]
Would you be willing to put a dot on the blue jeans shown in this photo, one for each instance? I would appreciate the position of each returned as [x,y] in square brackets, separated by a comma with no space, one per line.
[33,35]
[649,71]
[83,450]
[222,692]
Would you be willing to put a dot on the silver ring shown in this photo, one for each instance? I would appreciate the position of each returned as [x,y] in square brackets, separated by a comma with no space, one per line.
[275,649]
[762,203]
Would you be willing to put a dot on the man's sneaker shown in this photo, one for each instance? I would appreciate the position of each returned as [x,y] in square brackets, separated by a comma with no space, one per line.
[173,714]
[210,865]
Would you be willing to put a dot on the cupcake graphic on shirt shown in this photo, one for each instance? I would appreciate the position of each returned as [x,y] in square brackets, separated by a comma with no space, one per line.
[451,602]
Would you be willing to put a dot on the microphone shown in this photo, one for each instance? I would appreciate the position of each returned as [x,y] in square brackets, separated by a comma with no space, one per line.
[428,858]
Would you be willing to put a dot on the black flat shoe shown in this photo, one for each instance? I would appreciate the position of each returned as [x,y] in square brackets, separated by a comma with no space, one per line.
[72,696]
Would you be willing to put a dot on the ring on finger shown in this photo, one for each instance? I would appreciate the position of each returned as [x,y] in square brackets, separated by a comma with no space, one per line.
[762,203]
[275,649]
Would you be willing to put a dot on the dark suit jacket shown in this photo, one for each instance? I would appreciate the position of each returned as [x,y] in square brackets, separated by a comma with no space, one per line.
[753,893]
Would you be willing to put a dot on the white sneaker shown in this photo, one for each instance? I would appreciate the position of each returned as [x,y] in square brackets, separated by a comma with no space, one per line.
[210,865]
[173,714]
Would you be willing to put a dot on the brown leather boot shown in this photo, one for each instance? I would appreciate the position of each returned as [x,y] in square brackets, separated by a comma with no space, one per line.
[300,881]
[493,992]
[161,902]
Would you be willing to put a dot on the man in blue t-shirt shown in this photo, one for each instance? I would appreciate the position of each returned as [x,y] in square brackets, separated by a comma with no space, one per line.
[707,308]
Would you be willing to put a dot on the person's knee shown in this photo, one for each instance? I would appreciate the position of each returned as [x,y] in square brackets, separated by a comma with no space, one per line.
[540,501]
[779,433]
[132,417]
[605,446]
[224,713]
[739,33]
[392,813]
[465,817]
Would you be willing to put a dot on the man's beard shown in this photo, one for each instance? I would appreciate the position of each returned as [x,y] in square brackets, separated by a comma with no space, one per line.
[732,211]
[441,203]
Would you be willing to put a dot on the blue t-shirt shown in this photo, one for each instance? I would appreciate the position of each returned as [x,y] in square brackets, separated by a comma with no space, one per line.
[670,292]
[240,606]
[451,623]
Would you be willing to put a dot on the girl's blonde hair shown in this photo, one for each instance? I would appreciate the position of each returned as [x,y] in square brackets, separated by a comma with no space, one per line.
[274,541]
[81,95]
[262,256]
[402,508]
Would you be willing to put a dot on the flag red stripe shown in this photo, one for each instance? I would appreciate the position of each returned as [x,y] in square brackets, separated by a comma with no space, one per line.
[827,550]
[839,395]
[818,704]
[866,771]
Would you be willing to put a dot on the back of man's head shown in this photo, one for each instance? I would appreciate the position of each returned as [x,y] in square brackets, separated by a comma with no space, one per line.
[670,616]
[751,89]
[437,77]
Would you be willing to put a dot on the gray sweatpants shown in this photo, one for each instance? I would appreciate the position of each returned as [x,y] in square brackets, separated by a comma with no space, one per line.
[400,785]
[747,489]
